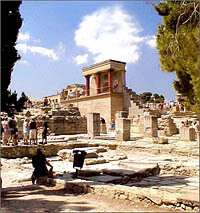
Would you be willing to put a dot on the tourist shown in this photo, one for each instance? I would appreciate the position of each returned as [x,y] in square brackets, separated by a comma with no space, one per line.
[187,124]
[6,132]
[45,102]
[37,128]
[26,131]
[53,104]
[16,135]
[40,164]
[194,124]
[2,130]
[33,131]
[112,125]
[181,107]
[103,120]
[12,125]
[44,133]
[182,124]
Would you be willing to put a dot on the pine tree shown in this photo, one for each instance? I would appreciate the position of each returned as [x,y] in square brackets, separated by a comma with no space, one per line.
[178,45]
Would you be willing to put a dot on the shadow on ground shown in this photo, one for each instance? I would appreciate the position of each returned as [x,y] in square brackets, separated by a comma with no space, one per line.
[33,198]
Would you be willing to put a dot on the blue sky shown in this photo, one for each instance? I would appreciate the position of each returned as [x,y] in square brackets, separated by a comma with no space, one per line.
[59,38]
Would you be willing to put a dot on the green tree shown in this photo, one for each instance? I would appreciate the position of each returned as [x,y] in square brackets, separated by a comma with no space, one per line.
[11,21]
[145,96]
[21,101]
[157,98]
[178,45]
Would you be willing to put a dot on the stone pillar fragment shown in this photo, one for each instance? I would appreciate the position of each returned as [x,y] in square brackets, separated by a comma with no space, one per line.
[122,130]
[150,126]
[93,124]
[121,114]
[187,134]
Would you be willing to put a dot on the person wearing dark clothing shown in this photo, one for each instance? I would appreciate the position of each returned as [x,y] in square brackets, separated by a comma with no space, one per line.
[12,127]
[45,102]
[33,131]
[103,121]
[40,164]
[44,133]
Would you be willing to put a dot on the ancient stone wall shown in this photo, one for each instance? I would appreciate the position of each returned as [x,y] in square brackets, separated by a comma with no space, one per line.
[167,126]
[60,121]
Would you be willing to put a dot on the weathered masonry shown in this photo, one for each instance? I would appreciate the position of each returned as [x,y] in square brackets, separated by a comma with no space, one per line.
[105,91]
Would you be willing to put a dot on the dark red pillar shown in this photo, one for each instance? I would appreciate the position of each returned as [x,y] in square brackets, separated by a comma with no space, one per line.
[110,80]
[87,88]
[98,82]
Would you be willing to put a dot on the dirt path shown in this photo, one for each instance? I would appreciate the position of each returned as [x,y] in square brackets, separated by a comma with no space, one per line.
[27,198]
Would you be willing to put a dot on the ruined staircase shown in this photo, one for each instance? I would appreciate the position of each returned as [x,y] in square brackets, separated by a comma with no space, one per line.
[129,96]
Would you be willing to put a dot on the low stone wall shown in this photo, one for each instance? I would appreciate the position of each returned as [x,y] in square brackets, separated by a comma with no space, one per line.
[29,151]
[61,125]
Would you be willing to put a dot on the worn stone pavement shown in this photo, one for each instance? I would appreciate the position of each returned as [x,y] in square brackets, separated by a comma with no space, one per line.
[176,191]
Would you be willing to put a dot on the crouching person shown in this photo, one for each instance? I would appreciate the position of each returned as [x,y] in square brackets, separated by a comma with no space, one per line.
[40,164]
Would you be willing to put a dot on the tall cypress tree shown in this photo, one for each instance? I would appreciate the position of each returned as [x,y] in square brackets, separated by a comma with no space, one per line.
[11,22]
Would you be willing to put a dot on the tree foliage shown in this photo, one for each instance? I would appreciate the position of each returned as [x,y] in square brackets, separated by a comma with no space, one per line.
[11,21]
[178,44]
[14,104]
[148,97]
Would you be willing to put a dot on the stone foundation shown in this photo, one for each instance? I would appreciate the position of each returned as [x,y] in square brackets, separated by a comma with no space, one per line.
[93,124]
[103,129]
[150,125]
[187,134]
[122,132]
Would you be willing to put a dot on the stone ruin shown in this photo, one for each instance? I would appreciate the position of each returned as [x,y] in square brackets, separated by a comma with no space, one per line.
[61,121]
[167,127]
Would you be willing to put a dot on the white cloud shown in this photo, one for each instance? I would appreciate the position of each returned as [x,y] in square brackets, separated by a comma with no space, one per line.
[23,62]
[61,47]
[151,41]
[37,49]
[23,36]
[81,59]
[110,33]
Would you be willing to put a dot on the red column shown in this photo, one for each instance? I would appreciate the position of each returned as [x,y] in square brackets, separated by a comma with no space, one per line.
[98,82]
[110,80]
[87,88]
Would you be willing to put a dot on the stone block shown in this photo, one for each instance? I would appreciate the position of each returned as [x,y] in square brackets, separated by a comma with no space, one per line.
[103,129]
[93,124]
[160,140]
[122,132]
[150,126]
[121,114]
[88,172]
[106,179]
[187,134]
[65,154]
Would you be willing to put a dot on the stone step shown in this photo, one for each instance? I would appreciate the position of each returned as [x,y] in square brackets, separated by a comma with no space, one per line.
[104,185]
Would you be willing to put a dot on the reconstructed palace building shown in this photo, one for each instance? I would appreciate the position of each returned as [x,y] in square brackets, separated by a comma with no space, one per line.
[105,90]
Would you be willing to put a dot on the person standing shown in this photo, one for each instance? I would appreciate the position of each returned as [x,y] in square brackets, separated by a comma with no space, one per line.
[103,120]
[26,131]
[12,128]
[33,129]
[2,130]
[44,133]
[112,125]
[6,132]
